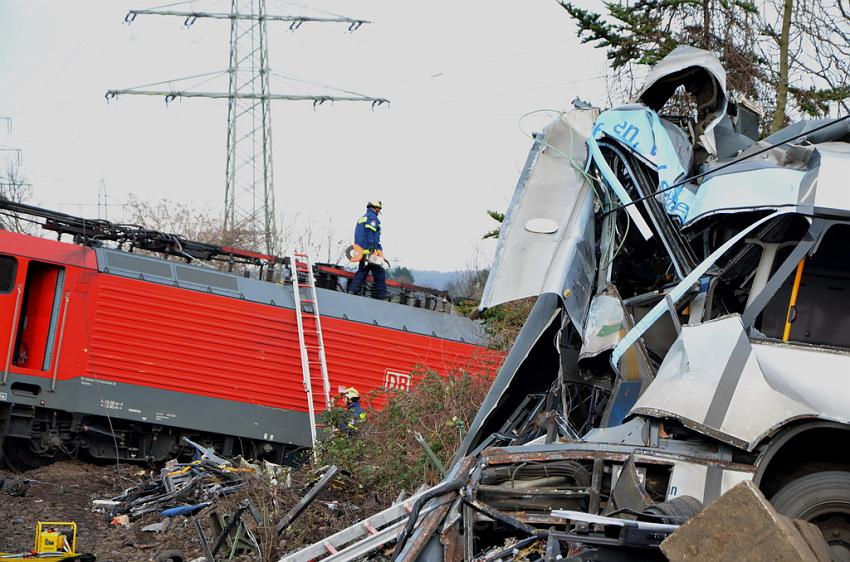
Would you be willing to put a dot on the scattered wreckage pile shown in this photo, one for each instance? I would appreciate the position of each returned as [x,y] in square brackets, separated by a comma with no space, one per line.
[182,488]
[187,489]
[691,335]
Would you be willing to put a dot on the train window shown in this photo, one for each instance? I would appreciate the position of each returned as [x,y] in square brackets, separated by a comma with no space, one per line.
[206,277]
[8,267]
[819,310]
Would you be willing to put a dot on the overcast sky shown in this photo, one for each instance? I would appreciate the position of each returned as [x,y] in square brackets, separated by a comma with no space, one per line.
[459,74]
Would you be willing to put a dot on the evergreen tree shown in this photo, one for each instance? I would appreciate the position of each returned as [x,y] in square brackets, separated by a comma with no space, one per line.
[645,31]
[498,217]
[401,274]
[775,52]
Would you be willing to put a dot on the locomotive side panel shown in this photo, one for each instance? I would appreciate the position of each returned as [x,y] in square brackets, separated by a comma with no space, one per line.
[121,355]
[194,343]
[369,357]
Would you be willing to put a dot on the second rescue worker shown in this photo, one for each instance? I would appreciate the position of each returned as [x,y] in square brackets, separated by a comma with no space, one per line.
[367,235]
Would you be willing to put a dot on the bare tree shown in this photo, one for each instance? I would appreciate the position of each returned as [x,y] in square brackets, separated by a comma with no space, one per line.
[825,29]
[190,221]
[470,282]
[318,236]
[782,83]
[808,44]
[14,187]
[791,56]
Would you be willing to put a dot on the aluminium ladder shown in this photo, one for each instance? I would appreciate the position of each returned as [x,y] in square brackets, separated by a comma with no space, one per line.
[364,537]
[309,324]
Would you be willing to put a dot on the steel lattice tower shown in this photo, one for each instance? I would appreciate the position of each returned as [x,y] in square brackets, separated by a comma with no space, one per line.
[249,205]
[249,185]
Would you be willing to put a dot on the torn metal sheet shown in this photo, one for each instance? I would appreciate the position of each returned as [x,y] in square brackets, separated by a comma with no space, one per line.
[635,374]
[813,185]
[827,191]
[546,240]
[732,139]
[528,358]
[637,431]
[607,323]
[746,189]
[802,175]
[839,131]
[628,491]
[717,382]
[679,290]
[822,389]
[703,76]
[614,184]
[641,130]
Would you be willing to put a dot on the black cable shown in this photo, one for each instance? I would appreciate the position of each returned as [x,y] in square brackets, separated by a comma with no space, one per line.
[12,214]
[726,165]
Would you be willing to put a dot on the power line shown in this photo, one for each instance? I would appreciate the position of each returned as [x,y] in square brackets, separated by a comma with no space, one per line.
[295,21]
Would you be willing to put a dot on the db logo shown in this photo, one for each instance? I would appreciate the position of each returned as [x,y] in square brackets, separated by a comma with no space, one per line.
[396,380]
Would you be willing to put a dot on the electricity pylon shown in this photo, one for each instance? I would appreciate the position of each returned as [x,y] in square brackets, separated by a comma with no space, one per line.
[249,206]
[18,152]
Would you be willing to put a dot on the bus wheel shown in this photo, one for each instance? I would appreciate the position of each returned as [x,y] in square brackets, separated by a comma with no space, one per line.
[822,498]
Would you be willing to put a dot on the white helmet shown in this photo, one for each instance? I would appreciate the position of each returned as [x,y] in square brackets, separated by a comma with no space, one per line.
[351,393]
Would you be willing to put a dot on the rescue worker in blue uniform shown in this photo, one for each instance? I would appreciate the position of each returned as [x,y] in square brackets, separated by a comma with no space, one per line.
[356,412]
[367,235]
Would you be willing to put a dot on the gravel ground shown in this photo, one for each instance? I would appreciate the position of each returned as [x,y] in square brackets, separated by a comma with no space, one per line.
[65,490]
[74,485]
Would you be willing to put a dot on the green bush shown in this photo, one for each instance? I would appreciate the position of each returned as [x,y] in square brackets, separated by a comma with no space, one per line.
[383,455]
[504,322]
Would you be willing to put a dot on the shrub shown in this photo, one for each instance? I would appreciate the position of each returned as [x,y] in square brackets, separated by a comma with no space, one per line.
[384,455]
[378,461]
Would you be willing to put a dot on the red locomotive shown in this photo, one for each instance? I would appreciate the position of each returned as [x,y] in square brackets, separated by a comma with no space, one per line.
[109,352]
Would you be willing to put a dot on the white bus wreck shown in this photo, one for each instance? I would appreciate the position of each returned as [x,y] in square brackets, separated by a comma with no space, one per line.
[691,331]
